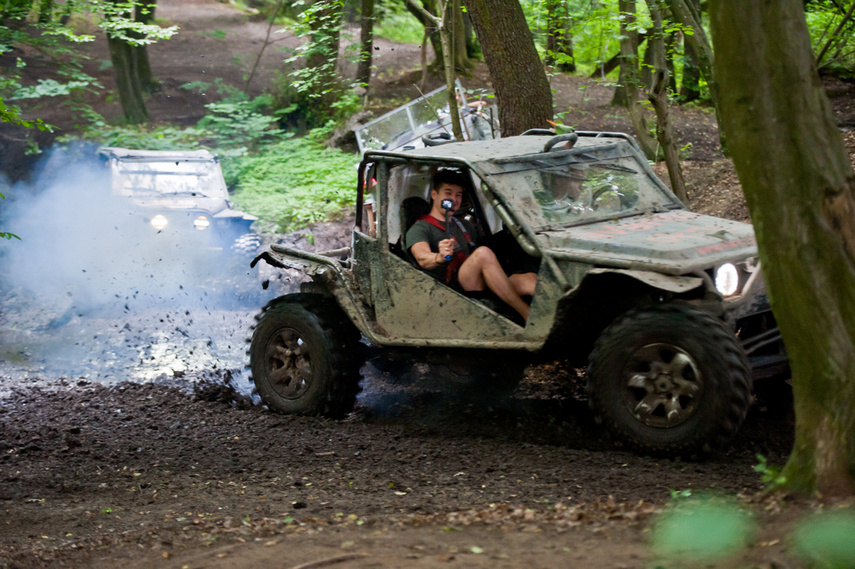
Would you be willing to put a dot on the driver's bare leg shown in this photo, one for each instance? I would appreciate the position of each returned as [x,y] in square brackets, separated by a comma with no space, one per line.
[524,283]
[482,269]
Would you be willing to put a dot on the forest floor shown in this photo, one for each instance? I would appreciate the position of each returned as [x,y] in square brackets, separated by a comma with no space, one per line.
[184,471]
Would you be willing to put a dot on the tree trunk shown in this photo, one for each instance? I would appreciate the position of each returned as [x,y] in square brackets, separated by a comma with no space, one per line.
[144,13]
[522,89]
[685,15]
[322,54]
[462,63]
[127,81]
[447,36]
[659,97]
[325,25]
[628,52]
[366,42]
[690,89]
[431,29]
[559,44]
[13,13]
[800,188]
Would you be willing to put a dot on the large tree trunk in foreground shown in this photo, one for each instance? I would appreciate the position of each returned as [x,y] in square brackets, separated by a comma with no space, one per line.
[522,89]
[800,189]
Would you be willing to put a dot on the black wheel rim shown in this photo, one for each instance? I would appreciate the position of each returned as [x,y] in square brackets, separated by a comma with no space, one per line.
[289,365]
[663,386]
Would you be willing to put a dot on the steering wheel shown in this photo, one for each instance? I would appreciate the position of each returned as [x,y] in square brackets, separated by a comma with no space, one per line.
[603,192]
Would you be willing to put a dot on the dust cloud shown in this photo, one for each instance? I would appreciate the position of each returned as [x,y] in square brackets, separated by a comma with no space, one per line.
[93,291]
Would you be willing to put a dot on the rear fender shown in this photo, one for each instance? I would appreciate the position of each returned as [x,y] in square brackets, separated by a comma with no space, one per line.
[329,271]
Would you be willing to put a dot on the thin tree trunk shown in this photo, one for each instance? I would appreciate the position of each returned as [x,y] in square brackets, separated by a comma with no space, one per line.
[144,13]
[522,89]
[462,63]
[447,36]
[687,16]
[628,57]
[431,28]
[322,59]
[800,188]
[559,45]
[659,97]
[366,42]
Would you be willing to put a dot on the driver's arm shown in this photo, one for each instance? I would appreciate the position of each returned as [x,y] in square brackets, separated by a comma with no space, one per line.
[428,259]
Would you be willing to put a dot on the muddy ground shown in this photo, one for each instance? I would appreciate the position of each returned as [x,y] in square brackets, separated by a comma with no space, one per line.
[129,434]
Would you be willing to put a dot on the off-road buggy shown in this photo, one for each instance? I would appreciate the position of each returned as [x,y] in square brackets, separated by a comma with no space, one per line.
[665,306]
[181,196]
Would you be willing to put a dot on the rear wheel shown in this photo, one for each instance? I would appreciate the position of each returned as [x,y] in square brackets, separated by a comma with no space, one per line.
[304,357]
[669,380]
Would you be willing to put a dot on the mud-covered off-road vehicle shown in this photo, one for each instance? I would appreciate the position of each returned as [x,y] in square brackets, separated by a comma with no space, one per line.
[181,196]
[665,306]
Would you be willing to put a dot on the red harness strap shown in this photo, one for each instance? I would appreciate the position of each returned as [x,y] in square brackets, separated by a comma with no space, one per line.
[458,258]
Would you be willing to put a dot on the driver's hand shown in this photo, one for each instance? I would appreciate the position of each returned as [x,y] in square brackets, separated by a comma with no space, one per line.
[446,247]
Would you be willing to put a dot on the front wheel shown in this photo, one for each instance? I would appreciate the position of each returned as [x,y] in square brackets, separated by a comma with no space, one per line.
[304,357]
[669,380]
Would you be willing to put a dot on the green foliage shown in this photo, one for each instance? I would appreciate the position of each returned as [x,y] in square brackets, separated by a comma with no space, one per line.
[294,183]
[701,529]
[835,45]
[395,23]
[826,540]
[770,475]
[236,122]
[4,234]
[313,94]
[12,114]
[141,137]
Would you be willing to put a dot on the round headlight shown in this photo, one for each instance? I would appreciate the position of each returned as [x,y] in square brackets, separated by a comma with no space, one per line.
[201,223]
[727,279]
[159,222]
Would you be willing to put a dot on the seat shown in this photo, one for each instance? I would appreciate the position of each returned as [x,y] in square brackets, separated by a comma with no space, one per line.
[411,210]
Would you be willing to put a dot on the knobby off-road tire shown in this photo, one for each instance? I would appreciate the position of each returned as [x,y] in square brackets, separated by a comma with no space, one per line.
[246,244]
[669,380]
[304,357]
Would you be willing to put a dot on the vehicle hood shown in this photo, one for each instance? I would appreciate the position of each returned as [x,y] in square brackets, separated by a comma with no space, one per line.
[212,205]
[675,242]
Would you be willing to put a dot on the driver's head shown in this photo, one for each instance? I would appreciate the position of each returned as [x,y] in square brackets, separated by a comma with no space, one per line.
[447,184]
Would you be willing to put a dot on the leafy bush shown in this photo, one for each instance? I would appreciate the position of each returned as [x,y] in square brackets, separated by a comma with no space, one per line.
[294,183]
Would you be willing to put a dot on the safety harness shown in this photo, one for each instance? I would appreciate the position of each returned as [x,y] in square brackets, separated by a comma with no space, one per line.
[459,257]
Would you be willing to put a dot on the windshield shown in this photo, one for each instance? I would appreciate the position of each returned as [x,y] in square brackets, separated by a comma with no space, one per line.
[196,178]
[426,115]
[576,186]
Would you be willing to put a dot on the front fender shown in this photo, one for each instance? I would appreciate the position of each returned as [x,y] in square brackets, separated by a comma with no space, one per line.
[675,284]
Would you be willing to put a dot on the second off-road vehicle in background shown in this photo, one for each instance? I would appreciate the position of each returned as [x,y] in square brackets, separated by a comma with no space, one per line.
[666,307]
[181,196]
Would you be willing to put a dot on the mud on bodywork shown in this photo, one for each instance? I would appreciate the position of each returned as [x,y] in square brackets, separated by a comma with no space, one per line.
[624,271]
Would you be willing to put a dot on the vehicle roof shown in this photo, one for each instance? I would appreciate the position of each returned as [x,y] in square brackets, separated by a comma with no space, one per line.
[155,155]
[500,148]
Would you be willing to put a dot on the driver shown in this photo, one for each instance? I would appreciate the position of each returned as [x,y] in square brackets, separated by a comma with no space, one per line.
[444,247]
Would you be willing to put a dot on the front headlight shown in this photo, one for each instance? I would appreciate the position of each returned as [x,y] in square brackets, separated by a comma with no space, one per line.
[201,223]
[159,222]
[727,279]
